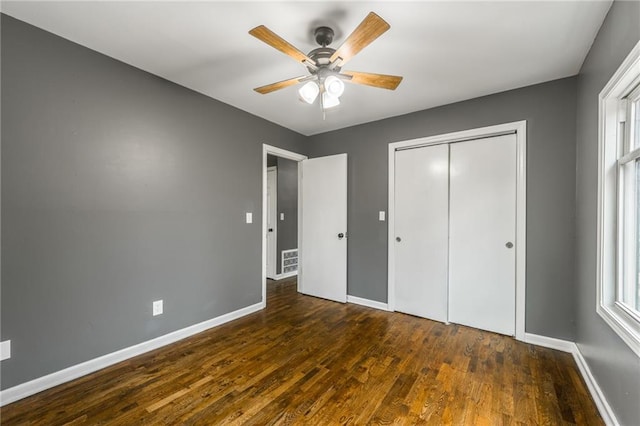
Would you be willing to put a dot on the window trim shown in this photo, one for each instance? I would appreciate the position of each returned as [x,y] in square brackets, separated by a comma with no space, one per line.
[619,317]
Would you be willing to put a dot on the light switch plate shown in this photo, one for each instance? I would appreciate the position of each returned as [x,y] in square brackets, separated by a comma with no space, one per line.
[281,216]
[249,217]
[157,307]
[381,216]
[5,350]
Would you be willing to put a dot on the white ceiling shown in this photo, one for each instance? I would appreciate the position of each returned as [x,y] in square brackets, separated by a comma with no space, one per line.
[447,51]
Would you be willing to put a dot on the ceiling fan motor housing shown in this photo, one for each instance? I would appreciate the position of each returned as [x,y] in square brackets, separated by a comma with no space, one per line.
[321,57]
[324,36]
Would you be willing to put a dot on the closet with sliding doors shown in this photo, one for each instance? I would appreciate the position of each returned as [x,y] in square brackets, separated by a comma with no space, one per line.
[455,232]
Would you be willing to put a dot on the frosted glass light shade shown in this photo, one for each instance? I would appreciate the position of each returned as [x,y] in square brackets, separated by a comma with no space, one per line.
[309,92]
[329,101]
[334,86]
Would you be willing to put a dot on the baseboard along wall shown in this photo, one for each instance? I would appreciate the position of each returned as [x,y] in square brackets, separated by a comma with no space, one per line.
[40,384]
[366,302]
[286,275]
[604,408]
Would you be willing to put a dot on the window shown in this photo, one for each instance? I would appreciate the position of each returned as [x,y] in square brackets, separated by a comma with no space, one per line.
[628,178]
[618,202]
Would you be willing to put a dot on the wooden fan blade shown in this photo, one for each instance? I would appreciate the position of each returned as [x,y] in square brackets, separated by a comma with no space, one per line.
[279,85]
[274,40]
[369,29]
[382,81]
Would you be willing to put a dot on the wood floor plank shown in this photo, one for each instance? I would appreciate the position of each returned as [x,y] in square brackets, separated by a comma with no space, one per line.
[309,361]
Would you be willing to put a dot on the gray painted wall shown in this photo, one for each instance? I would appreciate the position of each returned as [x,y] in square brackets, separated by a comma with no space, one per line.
[549,109]
[287,204]
[614,365]
[118,188]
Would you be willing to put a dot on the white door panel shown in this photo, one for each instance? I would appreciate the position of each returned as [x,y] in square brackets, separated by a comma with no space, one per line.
[421,224]
[272,234]
[323,254]
[482,223]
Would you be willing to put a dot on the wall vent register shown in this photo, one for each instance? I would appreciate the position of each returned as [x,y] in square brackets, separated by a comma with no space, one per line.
[289,261]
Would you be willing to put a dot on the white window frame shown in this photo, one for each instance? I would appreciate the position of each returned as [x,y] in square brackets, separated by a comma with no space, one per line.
[611,110]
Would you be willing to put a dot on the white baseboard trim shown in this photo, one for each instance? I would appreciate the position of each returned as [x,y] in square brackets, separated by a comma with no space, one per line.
[604,408]
[366,302]
[40,384]
[550,342]
[594,389]
[287,275]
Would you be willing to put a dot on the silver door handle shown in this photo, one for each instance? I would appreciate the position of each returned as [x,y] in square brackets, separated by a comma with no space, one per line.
[340,236]
[398,239]
[509,244]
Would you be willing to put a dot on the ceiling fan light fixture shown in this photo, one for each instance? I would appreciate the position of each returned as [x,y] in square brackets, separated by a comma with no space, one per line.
[309,92]
[334,86]
[324,64]
[329,101]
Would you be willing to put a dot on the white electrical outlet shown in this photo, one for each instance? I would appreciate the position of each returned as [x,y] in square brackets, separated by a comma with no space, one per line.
[157,307]
[5,350]
[381,216]
[249,217]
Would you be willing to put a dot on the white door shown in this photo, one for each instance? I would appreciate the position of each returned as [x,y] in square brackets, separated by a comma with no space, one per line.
[482,234]
[421,227]
[323,227]
[272,233]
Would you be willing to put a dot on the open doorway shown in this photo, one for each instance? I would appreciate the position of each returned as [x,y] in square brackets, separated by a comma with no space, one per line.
[282,217]
[321,262]
[280,214]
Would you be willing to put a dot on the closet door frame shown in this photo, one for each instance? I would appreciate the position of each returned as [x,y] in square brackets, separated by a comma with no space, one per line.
[520,130]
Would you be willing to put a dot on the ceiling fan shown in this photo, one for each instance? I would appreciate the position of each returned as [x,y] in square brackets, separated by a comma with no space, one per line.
[326,77]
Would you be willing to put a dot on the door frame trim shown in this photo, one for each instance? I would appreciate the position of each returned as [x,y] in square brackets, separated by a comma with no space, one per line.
[289,155]
[520,130]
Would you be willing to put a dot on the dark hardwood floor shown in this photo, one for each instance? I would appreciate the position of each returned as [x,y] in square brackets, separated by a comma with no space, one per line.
[309,361]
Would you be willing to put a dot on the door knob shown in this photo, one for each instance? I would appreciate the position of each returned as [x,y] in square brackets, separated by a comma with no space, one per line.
[398,239]
[340,236]
[270,229]
[509,244]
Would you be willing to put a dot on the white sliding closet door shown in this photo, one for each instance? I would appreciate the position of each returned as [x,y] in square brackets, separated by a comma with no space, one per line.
[421,226]
[482,234]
